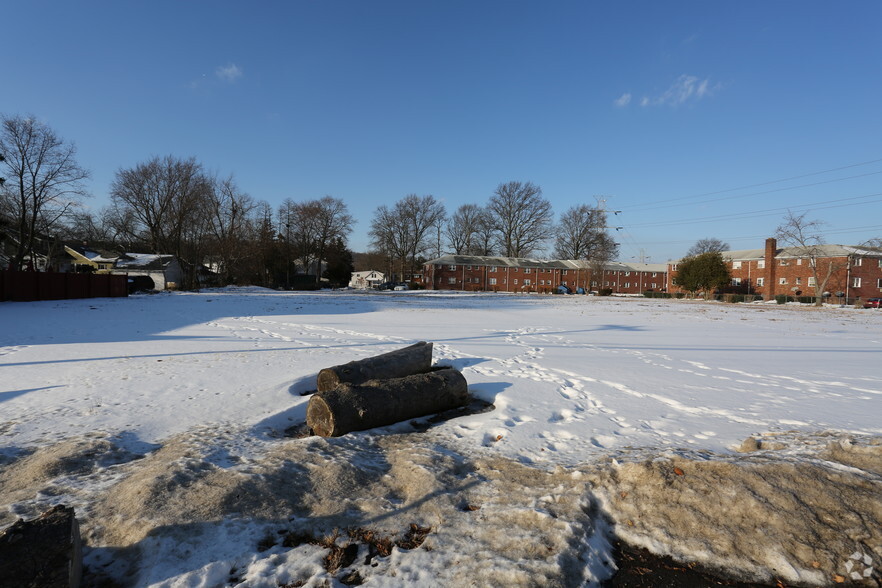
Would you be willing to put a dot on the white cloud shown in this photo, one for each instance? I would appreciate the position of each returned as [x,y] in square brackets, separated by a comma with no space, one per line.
[623,100]
[229,73]
[685,89]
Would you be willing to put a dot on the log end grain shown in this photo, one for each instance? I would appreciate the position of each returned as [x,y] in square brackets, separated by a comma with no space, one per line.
[320,417]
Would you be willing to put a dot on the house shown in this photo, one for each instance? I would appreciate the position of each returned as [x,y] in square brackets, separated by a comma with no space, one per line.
[366,280]
[164,270]
[844,271]
[509,274]
[82,257]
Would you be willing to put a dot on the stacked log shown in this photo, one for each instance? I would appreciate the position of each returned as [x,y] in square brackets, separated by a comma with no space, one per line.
[414,359]
[383,390]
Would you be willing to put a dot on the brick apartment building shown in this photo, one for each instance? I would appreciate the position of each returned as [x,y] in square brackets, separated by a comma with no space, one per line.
[856,271]
[474,273]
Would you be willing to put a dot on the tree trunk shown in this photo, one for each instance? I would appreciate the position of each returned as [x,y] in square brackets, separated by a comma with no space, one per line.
[46,551]
[415,359]
[377,403]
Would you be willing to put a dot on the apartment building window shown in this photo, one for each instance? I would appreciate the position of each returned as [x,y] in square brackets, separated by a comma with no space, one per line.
[468,267]
[857,261]
[799,261]
[782,281]
[653,286]
[736,265]
[880,262]
[527,282]
[627,284]
[654,274]
[564,272]
[736,281]
[492,281]
[627,273]
[515,282]
[879,283]
[606,284]
[760,282]
[493,269]
[811,282]
[674,267]
[761,264]
[527,270]
[798,281]
[451,268]
[593,283]
[856,283]
[451,280]
[784,263]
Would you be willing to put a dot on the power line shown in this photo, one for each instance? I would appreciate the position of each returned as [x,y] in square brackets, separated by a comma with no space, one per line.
[768,183]
[766,212]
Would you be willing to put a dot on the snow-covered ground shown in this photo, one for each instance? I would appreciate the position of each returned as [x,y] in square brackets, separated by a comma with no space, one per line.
[161,419]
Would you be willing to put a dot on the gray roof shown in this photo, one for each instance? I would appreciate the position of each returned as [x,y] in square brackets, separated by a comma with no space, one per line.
[796,252]
[481,260]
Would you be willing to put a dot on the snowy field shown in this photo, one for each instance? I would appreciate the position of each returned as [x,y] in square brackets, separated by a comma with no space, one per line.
[744,437]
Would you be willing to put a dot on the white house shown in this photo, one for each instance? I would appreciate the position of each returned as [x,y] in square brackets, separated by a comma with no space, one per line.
[365,280]
[164,270]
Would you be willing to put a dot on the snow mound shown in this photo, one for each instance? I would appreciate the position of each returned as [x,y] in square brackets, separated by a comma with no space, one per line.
[768,516]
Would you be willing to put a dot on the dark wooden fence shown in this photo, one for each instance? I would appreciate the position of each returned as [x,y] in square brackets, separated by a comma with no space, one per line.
[26,286]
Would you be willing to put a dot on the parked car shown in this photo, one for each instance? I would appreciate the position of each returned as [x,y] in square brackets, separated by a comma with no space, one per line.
[872,302]
[386,286]
[401,286]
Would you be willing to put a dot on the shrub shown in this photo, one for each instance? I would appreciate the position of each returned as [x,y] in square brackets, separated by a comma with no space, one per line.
[781,298]
[605,292]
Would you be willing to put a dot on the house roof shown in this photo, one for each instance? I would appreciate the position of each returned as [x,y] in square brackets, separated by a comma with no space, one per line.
[144,261]
[544,263]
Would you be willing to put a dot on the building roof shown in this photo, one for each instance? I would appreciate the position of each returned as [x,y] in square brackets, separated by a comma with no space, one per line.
[481,260]
[796,252]
[144,261]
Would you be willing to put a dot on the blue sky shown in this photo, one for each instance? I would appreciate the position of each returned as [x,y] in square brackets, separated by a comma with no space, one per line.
[694,119]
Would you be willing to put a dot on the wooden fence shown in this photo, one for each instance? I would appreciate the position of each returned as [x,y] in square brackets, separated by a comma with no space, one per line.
[27,286]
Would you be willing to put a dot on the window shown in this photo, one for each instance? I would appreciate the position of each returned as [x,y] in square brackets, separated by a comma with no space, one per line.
[856,283]
[527,270]
[784,263]
[515,282]
[654,274]
[527,282]
[761,264]
[674,267]
[799,262]
[564,272]
[606,284]
[782,281]
[451,268]
[857,261]
[541,282]
[451,280]
[880,262]
[627,273]
[879,283]
[760,282]
[798,281]
[468,267]
[493,269]
[492,281]
[811,282]
[653,286]
[736,281]
[593,283]
[627,284]
[736,265]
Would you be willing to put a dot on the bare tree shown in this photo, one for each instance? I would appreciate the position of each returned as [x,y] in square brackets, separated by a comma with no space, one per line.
[44,182]
[312,226]
[582,234]
[463,229]
[404,232]
[228,217]
[167,200]
[522,218]
[804,234]
[707,245]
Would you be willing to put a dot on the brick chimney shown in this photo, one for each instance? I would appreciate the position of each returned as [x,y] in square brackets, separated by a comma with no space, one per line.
[770,273]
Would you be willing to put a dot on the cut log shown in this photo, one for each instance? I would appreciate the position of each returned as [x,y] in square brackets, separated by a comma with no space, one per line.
[377,403]
[414,359]
[46,551]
